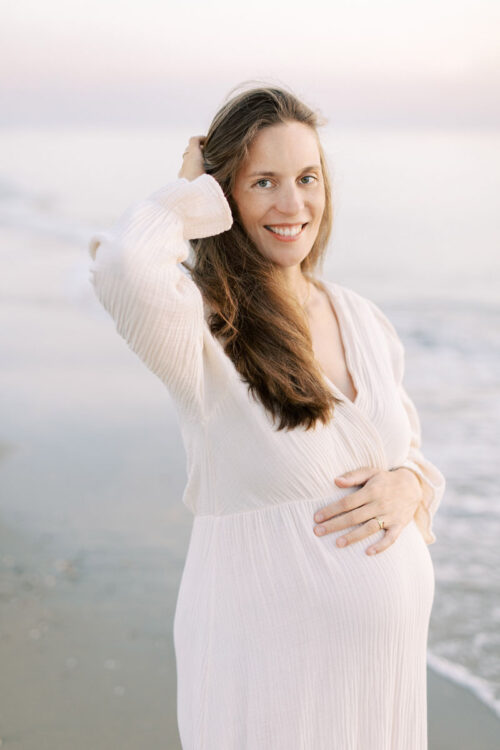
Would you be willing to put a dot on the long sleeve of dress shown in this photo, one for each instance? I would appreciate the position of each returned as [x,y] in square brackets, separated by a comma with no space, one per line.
[433,482]
[156,306]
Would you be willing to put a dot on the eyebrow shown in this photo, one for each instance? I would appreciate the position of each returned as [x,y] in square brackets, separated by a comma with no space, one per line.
[274,174]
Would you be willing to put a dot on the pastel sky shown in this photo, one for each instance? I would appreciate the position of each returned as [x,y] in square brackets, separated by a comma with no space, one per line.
[425,63]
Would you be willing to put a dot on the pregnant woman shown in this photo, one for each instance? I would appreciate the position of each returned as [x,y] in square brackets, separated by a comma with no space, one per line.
[302,616]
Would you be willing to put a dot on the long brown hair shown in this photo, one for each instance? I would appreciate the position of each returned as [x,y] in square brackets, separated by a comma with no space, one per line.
[262,331]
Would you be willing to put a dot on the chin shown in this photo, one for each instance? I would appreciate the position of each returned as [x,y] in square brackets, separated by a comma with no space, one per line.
[288,262]
[286,257]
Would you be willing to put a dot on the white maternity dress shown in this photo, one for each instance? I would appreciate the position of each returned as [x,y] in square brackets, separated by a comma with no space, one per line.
[283,640]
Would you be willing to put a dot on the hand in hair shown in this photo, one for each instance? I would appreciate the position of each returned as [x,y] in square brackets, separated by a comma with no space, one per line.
[192,163]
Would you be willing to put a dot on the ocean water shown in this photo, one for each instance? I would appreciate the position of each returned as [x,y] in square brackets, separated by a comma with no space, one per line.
[416,229]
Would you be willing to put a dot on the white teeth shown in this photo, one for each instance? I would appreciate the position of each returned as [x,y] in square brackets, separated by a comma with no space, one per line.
[287,231]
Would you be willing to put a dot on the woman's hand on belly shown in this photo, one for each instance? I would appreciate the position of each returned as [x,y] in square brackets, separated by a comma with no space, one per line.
[393,496]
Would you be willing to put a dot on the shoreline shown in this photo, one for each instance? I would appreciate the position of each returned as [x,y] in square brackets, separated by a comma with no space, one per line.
[457,718]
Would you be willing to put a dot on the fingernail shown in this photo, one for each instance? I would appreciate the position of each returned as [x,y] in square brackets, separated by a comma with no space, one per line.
[320,530]
[342,542]
[318,517]
[371,551]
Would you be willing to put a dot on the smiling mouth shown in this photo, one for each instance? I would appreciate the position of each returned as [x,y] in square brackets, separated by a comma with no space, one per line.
[287,233]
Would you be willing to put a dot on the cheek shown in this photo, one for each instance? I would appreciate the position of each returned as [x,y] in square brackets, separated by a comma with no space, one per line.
[252,217]
[246,210]
[320,208]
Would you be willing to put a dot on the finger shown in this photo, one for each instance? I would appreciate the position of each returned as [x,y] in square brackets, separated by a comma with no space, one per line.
[345,504]
[389,538]
[354,517]
[357,476]
[196,140]
[193,147]
[360,532]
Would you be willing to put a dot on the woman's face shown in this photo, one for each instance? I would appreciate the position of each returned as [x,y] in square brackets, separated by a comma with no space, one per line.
[280,187]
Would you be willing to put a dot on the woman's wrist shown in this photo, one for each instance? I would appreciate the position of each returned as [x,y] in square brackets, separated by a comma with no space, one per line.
[414,474]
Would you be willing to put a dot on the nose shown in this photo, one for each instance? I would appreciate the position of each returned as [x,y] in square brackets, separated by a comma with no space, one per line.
[289,200]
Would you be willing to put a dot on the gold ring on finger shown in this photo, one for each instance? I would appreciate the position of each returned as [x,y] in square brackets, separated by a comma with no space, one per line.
[380,522]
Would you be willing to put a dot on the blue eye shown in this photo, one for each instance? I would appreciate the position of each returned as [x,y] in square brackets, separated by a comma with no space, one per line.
[306,177]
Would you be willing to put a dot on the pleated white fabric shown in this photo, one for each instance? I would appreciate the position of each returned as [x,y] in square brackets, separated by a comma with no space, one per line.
[283,641]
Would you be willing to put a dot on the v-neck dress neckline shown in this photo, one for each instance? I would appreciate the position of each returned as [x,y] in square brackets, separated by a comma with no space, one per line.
[348,344]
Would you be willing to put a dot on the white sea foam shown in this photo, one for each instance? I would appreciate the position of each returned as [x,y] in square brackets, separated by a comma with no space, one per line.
[457,673]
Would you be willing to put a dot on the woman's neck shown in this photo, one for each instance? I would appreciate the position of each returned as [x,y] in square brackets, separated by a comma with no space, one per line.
[297,284]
